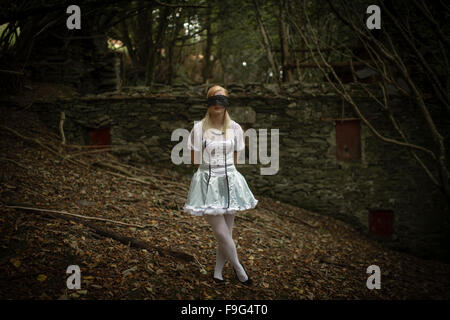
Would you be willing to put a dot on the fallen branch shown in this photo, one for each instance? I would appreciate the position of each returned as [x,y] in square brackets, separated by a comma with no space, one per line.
[107,148]
[295,219]
[42,145]
[331,261]
[99,164]
[61,127]
[81,147]
[110,166]
[107,233]
[79,216]
[152,174]
[140,244]
[15,162]
[61,131]
[298,220]
[92,151]
[267,227]
[11,72]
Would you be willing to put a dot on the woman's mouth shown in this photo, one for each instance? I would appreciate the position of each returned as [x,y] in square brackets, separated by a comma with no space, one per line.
[218,108]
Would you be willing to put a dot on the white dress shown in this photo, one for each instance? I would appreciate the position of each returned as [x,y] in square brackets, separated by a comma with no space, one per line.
[217,187]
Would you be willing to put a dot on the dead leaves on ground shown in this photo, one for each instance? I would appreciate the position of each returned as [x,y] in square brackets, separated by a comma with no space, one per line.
[290,253]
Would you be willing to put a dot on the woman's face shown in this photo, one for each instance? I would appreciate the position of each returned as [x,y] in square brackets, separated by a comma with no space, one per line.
[217,110]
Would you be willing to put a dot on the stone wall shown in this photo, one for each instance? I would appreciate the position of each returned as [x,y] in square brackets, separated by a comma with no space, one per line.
[310,176]
[74,58]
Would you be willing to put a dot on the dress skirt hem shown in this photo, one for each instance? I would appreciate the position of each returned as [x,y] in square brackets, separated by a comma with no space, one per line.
[215,210]
[218,194]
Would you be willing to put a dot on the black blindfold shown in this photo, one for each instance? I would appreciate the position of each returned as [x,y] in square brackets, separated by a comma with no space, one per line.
[218,100]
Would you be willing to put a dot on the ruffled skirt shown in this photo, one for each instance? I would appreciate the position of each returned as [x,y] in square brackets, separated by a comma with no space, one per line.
[211,197]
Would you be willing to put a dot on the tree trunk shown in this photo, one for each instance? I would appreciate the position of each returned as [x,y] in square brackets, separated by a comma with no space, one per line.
[300,45]
[171,50]
[266,42]
[162,26]
[209,41]
[125,36]
[285,55]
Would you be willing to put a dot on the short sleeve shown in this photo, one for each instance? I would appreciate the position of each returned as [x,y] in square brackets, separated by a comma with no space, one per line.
[195,138]
[239,142]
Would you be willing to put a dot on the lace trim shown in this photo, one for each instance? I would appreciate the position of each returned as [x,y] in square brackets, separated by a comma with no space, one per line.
[216,210]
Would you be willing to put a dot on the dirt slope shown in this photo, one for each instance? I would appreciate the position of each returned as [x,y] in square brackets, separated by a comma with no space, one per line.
[289,252]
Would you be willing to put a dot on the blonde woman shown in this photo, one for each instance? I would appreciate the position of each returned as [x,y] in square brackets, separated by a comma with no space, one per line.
[217,190]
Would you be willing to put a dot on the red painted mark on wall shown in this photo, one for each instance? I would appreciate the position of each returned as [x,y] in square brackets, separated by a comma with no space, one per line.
[348,139]
[100,137]
[381,222]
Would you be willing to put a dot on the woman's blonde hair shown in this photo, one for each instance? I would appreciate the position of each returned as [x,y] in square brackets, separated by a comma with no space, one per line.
[206,123]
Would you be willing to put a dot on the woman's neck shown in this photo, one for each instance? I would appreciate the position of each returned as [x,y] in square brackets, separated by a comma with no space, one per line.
[217,121]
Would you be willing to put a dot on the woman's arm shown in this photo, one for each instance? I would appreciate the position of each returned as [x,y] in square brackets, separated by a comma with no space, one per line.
[192,158]
[235,157]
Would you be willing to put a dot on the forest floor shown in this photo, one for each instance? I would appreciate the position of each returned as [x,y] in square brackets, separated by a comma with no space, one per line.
[289,252]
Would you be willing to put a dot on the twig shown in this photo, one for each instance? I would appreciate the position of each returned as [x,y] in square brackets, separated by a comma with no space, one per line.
[80,216]
[330,261]
[61,127]
[61,130]
[202,267]
[11,71]
[15,162]
[78,162]
[154,184]
[152,174]
[140,243]
[95,150]
[107,233]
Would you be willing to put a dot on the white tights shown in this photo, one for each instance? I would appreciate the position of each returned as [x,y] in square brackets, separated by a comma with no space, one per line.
[222,226]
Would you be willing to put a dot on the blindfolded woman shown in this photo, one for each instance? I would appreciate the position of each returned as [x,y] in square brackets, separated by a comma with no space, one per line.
[217,190]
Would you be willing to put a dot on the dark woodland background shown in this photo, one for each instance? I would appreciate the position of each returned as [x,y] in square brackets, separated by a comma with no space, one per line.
[68,197]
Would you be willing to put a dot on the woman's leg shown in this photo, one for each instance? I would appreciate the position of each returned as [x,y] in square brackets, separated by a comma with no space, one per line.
[223,236]
[229,219]
[221,258]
